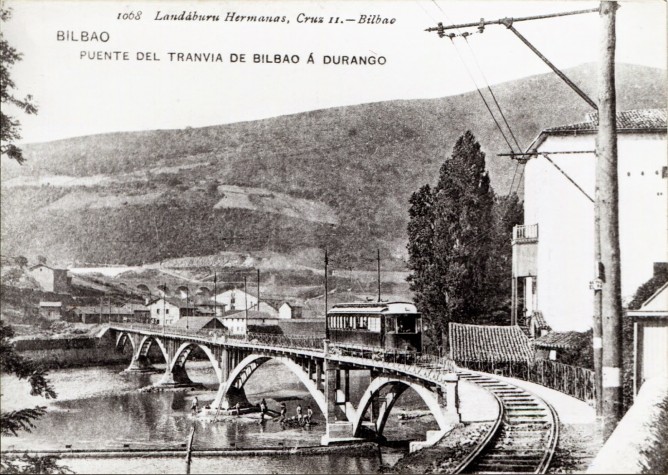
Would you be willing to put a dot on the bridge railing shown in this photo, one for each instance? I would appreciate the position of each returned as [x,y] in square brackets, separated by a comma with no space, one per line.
[283,341]
[572,380]
[410,358]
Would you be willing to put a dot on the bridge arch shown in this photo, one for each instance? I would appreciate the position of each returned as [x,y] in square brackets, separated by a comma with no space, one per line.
[147,342]
[397,387]
[121,339]
[185,350]
[246,367]
[143,289]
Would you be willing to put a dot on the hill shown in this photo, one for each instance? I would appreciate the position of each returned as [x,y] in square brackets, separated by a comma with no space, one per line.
[338,177]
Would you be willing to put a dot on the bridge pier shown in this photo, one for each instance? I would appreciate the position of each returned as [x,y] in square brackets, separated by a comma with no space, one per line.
[140,364]
[339,427]
[176,377]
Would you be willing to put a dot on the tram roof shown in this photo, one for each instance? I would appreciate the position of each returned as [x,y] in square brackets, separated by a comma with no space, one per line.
[374,307]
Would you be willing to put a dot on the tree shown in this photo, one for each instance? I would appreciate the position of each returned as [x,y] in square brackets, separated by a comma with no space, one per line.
[10,128]
[459,244]
[11,422]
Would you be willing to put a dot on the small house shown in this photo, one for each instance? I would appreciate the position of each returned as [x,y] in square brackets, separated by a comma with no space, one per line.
[51,310]
[650,338]
[290,310]
[50,279]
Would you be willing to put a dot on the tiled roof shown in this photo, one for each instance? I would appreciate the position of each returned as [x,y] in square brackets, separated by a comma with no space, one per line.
[640,119]
[539,321]
[558,340]
[194,323]
[487,343]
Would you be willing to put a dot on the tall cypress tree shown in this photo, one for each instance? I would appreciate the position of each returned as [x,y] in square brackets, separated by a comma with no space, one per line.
[451,232]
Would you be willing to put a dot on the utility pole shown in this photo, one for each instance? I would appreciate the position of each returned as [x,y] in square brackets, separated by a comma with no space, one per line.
[378,263]
[326,290]
[258,290]
[215,294]
[164,300]
[607,201]
[187,309]
[246,306]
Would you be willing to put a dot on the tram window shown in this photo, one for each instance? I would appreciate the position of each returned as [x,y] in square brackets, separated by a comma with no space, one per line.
[406,324]
[363,322]
[374,324]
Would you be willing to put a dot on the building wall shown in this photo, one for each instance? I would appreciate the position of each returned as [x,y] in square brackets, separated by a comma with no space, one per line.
[236,300]
[565,218]
[44,277]
[161,309]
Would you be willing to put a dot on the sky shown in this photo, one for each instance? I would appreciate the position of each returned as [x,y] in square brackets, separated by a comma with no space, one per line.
[79,96]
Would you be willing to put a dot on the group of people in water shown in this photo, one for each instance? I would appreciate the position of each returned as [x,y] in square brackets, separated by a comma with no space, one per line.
[301,419]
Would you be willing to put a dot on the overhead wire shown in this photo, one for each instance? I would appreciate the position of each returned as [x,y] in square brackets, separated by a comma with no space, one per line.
[498,107]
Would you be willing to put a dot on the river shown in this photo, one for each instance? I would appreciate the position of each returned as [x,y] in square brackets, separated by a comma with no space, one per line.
[101,408]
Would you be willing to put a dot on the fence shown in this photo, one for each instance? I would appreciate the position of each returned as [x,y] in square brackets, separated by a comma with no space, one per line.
[293,341]
[571,380]
[308,342]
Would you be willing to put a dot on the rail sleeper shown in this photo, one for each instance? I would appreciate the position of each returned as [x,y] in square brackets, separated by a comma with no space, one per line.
[527,436]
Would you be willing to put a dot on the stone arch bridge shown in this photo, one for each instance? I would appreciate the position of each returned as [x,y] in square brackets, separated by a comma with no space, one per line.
[323,371]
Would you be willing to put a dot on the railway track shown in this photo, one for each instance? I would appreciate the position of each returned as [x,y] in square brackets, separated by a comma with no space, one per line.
[526,437]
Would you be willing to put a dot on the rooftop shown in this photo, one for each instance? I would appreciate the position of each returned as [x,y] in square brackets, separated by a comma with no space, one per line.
[196,323]
[559,340]
[639,119]
[487,343]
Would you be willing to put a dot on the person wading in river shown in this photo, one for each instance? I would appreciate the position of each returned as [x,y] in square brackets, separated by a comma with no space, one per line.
[263,410]
[299,413]
[193,406]
[284,410]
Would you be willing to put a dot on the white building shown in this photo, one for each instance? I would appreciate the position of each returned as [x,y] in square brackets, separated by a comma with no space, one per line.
[237,299]
[50,279]
[237,323]
[164,311]
[553,252]
[650,338]
[290,310]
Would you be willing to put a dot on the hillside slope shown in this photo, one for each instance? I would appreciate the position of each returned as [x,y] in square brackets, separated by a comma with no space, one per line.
[159,194]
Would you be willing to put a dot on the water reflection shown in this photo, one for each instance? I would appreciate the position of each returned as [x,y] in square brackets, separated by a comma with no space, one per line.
[101,408]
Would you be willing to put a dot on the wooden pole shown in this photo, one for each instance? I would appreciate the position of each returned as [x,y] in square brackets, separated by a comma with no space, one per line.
[246,305]
[607,197]
[190,448]
[326,291]
[378,262]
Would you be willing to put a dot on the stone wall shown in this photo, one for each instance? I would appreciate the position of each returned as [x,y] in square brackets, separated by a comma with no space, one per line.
[73,351]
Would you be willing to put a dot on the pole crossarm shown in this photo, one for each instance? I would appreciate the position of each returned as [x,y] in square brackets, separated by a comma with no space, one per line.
[505,21]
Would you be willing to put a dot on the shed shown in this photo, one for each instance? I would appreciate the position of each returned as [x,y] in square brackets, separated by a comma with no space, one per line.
[650,338]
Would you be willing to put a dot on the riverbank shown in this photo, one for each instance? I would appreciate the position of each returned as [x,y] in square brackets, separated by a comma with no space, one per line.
[72,351]
[446,454]
[352,449]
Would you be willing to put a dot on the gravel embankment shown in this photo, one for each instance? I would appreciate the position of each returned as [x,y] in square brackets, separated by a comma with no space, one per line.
[446,454]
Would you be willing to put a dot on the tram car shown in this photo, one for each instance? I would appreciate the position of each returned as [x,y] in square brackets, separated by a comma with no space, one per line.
[377,326]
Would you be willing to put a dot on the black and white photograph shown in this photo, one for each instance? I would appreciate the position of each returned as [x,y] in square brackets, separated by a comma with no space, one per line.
[333,237]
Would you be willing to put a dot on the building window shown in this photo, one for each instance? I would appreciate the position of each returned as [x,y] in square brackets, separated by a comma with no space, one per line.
[157,311]
[166,311]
